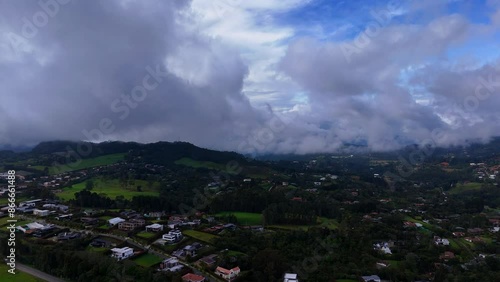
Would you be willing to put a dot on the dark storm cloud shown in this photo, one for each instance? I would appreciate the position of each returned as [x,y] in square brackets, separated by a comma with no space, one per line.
[80,67]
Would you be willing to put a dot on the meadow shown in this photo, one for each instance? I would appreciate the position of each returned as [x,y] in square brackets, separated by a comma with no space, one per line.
[84,163]
[18,277]
[244,218]
[461,188]
[201,236]
[112,188]
[147,260]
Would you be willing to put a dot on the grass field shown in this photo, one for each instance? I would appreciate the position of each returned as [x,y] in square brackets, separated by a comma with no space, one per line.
[5,200]
[147,260]
[245,218]
[111,188]
[18,277]
[145,235]
[201,236]
[331,224]
[290,227]
[461,188]
[199,164]
[96,249]
[84,163]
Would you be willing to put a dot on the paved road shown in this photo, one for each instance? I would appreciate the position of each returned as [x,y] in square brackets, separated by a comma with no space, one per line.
[37,273]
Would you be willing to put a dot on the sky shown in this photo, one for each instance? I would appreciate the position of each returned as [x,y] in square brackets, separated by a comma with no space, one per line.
[260,76]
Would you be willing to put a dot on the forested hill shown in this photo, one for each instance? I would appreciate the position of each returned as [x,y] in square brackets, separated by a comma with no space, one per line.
[159,153]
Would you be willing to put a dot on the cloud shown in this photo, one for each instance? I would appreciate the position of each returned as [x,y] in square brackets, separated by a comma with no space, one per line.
[76,68]
[241,75]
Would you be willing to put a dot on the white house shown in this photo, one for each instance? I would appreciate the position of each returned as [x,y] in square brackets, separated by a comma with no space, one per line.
[122,253]
[290,277]
[172,236]
[115,221]
[38,212]
[371,278]
[441,241]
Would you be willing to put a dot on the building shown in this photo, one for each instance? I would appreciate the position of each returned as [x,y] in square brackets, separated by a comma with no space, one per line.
[371,278]
[122,253]
[441,241]
[447,256]
[154,227]
[190,277]
[31,227]
[209,261]
[131,224]
[115,221]
[290,277]
[171,264]
[100,243]
[383,247]
[38,212]
[172,236]
[227,274]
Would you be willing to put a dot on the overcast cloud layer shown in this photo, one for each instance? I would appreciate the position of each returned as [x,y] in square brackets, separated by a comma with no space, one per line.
[289,76]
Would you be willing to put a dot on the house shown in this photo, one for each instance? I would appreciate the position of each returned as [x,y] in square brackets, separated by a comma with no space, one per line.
[475,231]
[173,236]
[154,227]
[227,274]
[191,250]
[447,256]
[131,224]
[64,216]
[99,243]
[171,264]
[382,247]
[68,236]
[122,253]
[190,277]
[290,277]
[30,227]
[115,221]
[209,260]
[38,212]
[371,278]
[441,242]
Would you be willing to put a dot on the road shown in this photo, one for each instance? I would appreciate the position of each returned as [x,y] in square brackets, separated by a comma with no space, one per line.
[37,273]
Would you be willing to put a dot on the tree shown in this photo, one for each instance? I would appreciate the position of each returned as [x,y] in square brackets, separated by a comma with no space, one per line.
[89,185]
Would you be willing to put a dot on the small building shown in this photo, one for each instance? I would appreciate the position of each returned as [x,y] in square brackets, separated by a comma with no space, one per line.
[171,264]
[38,212]
[290,277]
[100,243]
[441,241]
[447,256]
[190,277]
[227,274]
[371,278]
[115,221]
[209,261]
[154,227]
[122,253]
